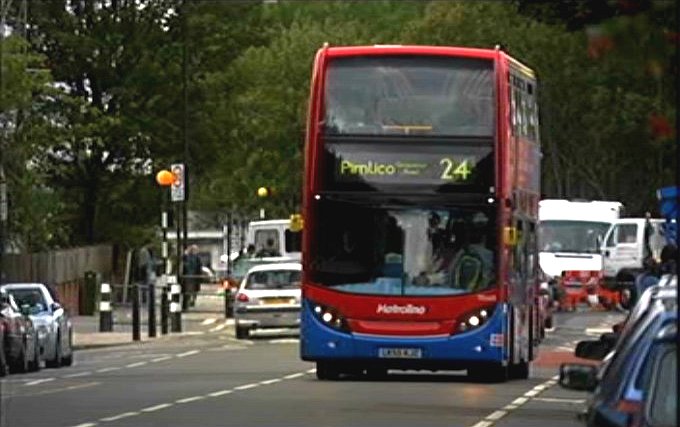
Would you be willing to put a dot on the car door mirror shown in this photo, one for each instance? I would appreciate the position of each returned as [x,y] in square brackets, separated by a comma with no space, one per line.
[609,339]
[56,306]
[575,376]
[591,349]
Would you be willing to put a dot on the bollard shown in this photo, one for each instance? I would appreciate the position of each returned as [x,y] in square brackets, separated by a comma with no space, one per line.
[164,310]
[151,323]
[136,336]
[105,313]
[176,307]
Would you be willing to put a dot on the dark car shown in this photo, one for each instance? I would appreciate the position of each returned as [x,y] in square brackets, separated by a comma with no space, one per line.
[20,348]
[636,387]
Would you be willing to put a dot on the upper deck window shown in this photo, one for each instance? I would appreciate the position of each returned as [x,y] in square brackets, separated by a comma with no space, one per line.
[403,95]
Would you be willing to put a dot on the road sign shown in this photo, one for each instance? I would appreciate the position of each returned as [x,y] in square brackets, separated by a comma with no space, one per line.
[177,187]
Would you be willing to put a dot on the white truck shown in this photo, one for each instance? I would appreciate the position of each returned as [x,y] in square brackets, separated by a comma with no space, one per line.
[572,232]
[628,243]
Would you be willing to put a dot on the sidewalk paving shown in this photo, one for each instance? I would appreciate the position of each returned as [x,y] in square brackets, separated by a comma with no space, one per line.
[86,328]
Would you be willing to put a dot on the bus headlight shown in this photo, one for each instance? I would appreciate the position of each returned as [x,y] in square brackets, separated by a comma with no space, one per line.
[474,319]
[329,316]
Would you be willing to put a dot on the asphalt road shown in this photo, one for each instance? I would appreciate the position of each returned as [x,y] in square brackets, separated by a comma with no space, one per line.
[215,380]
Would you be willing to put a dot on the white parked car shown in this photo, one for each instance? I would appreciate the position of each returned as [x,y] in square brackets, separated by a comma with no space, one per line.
[268,297]
[53,326]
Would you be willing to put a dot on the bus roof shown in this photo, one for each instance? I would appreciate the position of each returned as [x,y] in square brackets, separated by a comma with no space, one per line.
[411,50]
[596,210]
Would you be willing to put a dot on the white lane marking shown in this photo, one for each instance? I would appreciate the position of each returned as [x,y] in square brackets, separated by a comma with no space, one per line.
[113,368]
[188,353]
[218,328]
[134,365]
[194,333]
[559,400]
[565,348]
[209,321]
[291,376]
[160,359]
[44,380]
[520,401]
[246,386]
[201,397]
[79,374]
[189,399]
[311,371]
[119,417]
[156,408]
[220,393]
[496,415]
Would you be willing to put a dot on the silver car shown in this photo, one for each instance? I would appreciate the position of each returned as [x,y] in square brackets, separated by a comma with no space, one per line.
[54,328]
[268,297]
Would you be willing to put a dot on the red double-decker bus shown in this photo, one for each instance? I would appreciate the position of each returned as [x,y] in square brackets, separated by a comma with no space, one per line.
[420,201]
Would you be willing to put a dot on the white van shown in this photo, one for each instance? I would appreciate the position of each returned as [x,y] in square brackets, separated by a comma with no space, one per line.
[571,234]
[286,242]
[624,246]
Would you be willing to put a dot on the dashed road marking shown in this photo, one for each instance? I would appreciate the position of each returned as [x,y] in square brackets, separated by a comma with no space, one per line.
[136,364]
[209,321]
[190,399]
[218,393]
[156,408]
[119,417]
[160,359]
[496,415]
[113,368]
[188,353]
[42,381]
[79,374]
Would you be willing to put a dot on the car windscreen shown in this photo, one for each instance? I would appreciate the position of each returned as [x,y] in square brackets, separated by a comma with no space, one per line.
[32,297]
[572,236]
[404,95]
[402,250]
[273,279]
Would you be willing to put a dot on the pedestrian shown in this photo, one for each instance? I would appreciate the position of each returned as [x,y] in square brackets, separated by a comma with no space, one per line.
[193,269]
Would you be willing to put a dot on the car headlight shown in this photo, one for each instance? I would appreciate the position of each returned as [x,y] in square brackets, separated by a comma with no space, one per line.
[474,319]
[329,316]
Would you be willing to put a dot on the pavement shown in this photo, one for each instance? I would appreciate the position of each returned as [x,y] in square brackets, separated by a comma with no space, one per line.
[206,316]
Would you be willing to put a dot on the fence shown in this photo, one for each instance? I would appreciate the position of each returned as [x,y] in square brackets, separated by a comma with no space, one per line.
[63,269]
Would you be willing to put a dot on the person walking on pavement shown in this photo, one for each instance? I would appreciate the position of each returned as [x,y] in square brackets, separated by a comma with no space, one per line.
[193,269]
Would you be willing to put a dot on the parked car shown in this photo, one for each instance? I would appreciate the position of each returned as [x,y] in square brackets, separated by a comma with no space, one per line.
[20,348]
[268,297]
[55,331]
[636,384]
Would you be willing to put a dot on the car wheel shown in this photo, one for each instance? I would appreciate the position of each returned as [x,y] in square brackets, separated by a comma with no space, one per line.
[34,365]
[55,362]
[548,322]
[242,332]
[20,364]
[327,371]
[68,360]
[4,369]
[376,373]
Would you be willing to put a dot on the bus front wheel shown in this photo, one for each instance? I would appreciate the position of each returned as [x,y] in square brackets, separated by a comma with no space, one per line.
[495,373]
[326,370]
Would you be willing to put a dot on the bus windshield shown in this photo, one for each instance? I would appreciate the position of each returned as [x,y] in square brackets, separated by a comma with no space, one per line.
[392,250]
[432,95]
[572,236]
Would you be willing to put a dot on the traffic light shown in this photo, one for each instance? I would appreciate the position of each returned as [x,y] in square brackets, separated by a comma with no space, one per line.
[264,192]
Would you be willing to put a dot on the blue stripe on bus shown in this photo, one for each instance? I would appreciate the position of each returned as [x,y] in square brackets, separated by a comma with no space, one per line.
[318,341]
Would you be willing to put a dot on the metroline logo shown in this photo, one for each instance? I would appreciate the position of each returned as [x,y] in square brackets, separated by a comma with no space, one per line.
[400,309]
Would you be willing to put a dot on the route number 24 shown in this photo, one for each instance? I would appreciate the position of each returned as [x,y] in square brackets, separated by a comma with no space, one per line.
[455,171]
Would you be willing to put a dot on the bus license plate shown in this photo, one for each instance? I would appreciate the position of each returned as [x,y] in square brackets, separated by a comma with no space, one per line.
[400,353]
